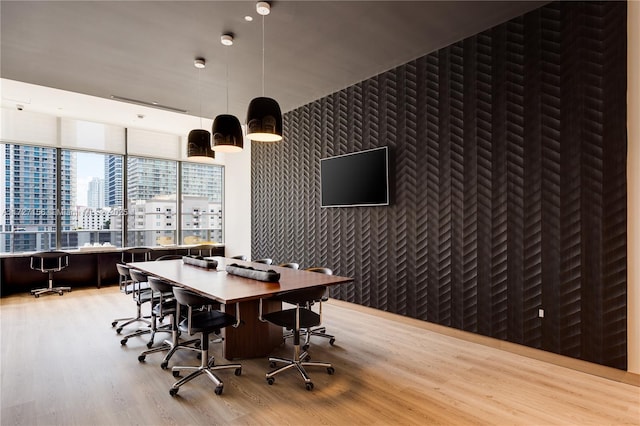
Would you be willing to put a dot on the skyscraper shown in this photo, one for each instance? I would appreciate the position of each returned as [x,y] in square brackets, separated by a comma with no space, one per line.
[28,177]
[96,194]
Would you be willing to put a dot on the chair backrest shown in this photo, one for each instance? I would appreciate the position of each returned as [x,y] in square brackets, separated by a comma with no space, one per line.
[291,265]
[136,254]
[138,276]
[304,296]
[159,285]
[49,261]
[265,260]
[169,257]
[123,270]
[320,270]
[189,298]
[239,257]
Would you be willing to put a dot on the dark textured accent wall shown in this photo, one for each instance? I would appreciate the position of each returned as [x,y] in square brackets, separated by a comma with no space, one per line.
[509,185]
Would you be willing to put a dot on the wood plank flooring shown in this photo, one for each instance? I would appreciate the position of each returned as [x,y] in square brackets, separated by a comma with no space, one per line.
[62,364]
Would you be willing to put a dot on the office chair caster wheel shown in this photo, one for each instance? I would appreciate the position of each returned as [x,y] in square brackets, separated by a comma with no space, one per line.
[173,391]
[332,341]
[118,330]
[164,365]
[36,295]
[60,293]
[149,344]
[113,324]
[270,380]
[175,373]
[123,342]
[272,364]
[141,358]
[218,390]
[330,370]
[309,386]
[238,371]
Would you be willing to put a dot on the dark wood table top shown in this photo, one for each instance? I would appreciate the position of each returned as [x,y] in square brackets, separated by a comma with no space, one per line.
[226,288]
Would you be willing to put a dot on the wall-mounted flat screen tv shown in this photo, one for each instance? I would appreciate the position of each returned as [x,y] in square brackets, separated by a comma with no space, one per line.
[356,179]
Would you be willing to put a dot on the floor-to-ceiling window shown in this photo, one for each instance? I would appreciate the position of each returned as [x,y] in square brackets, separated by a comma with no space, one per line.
[71,184]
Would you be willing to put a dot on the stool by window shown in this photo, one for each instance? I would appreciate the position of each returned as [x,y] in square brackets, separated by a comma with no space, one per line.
[202,250]
[205,323]
[50,262]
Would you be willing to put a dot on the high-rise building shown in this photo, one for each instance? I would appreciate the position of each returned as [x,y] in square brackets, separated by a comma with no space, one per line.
[95,193]
[28,196]
[113,181]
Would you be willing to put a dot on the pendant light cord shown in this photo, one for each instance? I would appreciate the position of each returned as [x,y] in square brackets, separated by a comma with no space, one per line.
[200,96]
[226,59]
[263,55]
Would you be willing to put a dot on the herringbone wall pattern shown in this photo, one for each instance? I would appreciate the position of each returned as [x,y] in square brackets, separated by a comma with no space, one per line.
[508,157]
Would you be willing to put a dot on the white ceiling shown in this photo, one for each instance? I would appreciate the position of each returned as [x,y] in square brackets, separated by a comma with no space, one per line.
[144,50]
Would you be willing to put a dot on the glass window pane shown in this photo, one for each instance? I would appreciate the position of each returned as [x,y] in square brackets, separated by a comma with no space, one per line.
[151,187]
[202,203]
[28,198]
[94,184]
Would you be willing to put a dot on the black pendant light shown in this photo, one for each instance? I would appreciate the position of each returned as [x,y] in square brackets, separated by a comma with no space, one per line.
[199,144]
[199,140]
[226,130]
[264,119]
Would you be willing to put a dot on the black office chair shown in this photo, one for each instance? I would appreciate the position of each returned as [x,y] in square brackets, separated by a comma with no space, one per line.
[135,254]
[266,261]
[167,306]
[204,322]
[239,257]
[141,294]
[296,319]
[318,331]
[49,262]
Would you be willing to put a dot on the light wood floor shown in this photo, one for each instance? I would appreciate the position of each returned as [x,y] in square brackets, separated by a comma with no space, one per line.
[62,364]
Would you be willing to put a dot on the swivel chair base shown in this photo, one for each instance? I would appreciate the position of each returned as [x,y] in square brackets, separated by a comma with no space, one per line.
[207,366]
[51,289]
[172,346]
[299,361]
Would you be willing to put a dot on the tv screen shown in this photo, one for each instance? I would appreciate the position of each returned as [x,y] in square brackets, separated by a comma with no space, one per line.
[356,179]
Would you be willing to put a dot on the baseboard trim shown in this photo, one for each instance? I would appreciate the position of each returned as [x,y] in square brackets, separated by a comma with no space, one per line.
[538,354]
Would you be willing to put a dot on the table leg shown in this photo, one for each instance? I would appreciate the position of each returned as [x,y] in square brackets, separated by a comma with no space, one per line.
[253,338]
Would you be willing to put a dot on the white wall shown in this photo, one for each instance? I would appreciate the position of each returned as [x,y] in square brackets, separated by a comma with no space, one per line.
[237,202]
[633,187]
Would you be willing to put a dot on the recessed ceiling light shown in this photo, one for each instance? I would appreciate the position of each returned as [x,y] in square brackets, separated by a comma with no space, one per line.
[226,39]
[248,18]
[199,63]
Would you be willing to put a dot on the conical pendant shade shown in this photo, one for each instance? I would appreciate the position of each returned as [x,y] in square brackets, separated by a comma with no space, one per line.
[264,120]
[227,134]
[199,144]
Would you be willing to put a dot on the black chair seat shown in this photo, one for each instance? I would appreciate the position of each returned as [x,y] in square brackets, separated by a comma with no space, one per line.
[129,288]
[287,318]
[167,308]
[207,321]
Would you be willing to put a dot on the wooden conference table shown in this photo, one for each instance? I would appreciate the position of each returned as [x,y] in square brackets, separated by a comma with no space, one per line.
[253,338]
